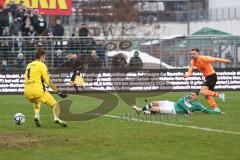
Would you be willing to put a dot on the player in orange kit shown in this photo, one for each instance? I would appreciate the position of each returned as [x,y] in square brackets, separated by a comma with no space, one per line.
[203,64]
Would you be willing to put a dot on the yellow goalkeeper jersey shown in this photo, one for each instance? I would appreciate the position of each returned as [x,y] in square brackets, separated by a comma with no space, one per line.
[79,81]
[36,76]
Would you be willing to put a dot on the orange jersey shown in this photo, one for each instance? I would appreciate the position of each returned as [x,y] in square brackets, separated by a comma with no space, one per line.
[203,64]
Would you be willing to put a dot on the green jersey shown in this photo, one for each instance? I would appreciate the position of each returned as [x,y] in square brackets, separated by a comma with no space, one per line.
[184,104]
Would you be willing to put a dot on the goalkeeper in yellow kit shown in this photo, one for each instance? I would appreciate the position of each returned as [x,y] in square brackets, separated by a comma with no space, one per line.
[36,77]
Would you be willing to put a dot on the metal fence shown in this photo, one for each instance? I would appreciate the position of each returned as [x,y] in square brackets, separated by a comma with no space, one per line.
[216,46]
[16,52]
[214,14]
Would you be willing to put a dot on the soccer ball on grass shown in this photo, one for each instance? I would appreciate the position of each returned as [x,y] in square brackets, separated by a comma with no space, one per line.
[19,118]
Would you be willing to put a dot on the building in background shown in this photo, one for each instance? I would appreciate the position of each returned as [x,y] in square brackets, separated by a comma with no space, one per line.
[145,10]
[213,4]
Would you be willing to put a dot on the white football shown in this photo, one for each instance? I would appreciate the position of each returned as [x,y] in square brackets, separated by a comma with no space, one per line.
[19,118]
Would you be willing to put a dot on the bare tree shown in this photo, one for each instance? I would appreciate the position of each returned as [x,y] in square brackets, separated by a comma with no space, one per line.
[118,12]
[124,12]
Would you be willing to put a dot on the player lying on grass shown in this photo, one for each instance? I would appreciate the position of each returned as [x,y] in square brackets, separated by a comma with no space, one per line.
[203,64]
[185,105]
[36,76]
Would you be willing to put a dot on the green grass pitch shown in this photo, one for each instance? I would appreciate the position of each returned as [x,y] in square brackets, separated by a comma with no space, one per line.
[115,139]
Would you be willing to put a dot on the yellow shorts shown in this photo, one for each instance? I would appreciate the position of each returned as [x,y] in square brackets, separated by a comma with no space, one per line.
[46,98]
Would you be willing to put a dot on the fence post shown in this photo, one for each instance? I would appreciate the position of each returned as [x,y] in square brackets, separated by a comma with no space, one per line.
[52,58]
[160,50]
[106,55]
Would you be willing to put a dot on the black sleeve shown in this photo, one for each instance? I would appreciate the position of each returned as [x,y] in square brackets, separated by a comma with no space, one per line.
[73,77]
[131,63]
[62,30]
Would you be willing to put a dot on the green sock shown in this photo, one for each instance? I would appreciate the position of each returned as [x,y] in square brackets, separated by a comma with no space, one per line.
[147,107]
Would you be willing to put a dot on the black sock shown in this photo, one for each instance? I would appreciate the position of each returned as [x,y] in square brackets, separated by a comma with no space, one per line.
[76,87]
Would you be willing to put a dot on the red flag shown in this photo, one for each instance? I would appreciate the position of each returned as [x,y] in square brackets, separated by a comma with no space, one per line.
[48,7]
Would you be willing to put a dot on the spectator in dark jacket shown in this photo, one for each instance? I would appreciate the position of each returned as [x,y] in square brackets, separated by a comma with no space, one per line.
[20,14]
[58,29]
[50,30]
[12,6]
[119,61]
[83,31]
[136,61]
[26,26]
[34,17]
[40,25]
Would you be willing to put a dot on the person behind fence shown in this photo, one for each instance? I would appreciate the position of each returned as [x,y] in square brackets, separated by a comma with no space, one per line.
[101,51]
[34,17]
[26,26]
[4,66]
[58,29]
[83,31]
[20,61]
[119,60]
[136,61]
[74,62]
[77,80]
[40,26]
[49,31]
[185,105]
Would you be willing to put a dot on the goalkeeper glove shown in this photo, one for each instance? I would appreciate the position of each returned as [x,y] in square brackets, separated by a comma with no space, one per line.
[62,94]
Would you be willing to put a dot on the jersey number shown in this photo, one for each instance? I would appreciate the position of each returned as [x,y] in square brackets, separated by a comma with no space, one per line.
[28,73]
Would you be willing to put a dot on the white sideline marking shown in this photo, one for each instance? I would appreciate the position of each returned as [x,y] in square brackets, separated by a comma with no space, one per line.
[179,125]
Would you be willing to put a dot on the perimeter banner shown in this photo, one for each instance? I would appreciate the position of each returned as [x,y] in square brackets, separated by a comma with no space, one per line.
[138,81]
[47,7]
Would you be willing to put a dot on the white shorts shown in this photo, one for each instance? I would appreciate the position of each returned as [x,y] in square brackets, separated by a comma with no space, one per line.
[167,107]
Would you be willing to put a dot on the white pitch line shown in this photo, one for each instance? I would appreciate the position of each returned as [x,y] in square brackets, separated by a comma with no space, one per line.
[179,125]
[163,123]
